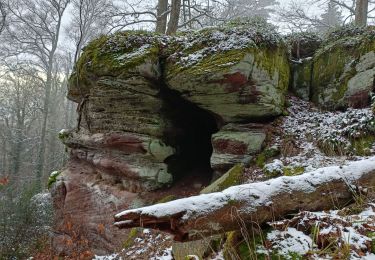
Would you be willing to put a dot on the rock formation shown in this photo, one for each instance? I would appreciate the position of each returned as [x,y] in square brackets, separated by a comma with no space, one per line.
[154,111]
[341,72]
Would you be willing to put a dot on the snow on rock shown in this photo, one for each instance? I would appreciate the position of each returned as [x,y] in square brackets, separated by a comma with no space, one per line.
[276,166]
[290,241]
[107,257]
[165,255]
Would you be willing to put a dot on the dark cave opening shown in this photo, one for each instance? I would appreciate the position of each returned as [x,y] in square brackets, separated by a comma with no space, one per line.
[190,133]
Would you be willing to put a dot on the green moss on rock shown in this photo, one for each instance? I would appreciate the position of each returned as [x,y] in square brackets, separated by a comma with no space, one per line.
[266,154]
[342,74]
[236,73]
[122,55]
[64,135]
[230,178]
[52,178]
[167,199]
[301,84]
[293,170]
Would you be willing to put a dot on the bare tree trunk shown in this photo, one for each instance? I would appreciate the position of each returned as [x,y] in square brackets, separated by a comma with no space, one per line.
[47,94]
[361,10]
[3,16]
[209,214]
[161,23]
[42,142]
[17,149]
[174,18]
[3,165]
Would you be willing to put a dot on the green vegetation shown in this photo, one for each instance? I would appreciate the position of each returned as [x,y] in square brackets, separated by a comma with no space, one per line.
[293,171]
[284,171]
[167,199]
[131,236]
[362,145]
[335,64]
[25,218]
[230,178]
[52,178]
[266,154]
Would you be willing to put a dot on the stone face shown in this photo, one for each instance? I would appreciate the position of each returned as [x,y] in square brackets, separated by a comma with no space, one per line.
[230,74]
[344,71]
[83,206]
[198,249]
[236,144]
[135,160]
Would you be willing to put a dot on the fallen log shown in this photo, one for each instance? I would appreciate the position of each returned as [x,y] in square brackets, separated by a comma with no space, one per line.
[208,214]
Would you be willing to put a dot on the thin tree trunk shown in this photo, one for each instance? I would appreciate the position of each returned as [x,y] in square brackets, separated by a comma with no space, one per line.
[361,10]
[42,142]
[17,149]
[161,23]
[47,94]
[174,18]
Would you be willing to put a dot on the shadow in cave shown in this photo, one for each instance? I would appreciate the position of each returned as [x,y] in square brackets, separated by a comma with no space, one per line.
[190,133]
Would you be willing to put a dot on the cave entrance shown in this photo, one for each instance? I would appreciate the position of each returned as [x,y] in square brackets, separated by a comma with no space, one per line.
[190,133]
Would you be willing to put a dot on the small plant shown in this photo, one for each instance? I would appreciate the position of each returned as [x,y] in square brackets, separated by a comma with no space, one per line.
[52,178]
[130,239]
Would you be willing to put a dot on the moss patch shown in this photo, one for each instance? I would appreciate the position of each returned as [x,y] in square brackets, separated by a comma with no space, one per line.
[293,171]
[362,146]
[117,55]
[230,178]
[167,199]
[267,153]
[130,239]
[52,178]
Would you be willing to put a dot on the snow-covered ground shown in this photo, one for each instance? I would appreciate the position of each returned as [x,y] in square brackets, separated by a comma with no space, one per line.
[309,128]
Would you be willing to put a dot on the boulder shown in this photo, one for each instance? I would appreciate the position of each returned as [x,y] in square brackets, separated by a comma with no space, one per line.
[234,144]
[237,73]
[344,69]
[113,69]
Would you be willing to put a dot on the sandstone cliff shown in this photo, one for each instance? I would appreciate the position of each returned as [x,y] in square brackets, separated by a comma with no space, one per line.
[164,116]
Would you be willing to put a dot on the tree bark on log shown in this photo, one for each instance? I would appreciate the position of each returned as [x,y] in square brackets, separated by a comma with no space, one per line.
[255,203]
